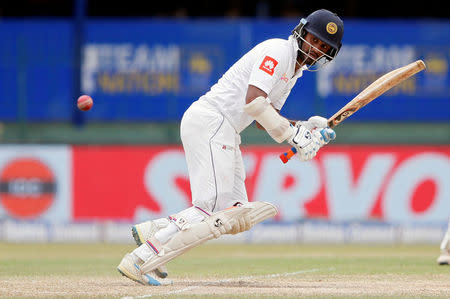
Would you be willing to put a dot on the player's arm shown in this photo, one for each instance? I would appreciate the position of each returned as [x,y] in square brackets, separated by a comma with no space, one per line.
[259,106]
[264,75]
[314,122]
[279,128]
[252,93]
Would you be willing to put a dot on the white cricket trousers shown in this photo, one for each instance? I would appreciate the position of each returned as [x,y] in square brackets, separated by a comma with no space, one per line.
[214,160]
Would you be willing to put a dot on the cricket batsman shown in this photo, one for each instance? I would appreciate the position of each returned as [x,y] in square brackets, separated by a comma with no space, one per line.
[255,88]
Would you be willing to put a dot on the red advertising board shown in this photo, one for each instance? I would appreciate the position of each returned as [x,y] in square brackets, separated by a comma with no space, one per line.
[389,183]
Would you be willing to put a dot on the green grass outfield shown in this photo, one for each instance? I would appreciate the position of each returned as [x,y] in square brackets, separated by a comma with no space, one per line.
[228,271]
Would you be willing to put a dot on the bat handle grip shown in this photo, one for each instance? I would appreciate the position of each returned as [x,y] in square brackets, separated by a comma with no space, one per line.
[287,155]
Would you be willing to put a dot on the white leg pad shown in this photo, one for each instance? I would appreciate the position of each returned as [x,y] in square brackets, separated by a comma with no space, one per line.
[258,212]
[213,227]
[263,112]
[223,222]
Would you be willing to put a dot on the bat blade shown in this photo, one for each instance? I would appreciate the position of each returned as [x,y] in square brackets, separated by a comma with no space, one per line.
[371,92]
[374,90]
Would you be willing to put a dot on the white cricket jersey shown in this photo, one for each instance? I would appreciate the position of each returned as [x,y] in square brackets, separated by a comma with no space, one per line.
[270,66]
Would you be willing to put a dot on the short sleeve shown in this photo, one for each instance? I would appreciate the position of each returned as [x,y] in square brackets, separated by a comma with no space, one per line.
[268,68]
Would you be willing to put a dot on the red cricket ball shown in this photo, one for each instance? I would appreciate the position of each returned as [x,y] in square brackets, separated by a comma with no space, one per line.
[85,103]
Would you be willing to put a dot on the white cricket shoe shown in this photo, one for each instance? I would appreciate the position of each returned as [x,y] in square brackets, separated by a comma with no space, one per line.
[131,270]
[146,230]
[444,258]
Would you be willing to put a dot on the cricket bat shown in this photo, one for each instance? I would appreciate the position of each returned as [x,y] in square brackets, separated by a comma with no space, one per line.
[371,92]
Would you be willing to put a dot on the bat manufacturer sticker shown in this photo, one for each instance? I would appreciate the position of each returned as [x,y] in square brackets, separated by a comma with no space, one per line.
[268,65]
[344,115]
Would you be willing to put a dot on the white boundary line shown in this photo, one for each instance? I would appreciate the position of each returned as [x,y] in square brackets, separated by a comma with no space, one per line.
[228,280]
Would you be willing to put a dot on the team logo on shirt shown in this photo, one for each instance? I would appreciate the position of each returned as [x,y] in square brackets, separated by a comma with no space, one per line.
[268,65]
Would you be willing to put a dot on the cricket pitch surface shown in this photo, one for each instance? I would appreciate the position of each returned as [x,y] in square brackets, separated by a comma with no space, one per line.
[228,271]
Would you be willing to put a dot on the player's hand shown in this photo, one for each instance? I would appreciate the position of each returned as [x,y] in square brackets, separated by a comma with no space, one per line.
[320,124]
[314,122]
[326,135]
[306,142]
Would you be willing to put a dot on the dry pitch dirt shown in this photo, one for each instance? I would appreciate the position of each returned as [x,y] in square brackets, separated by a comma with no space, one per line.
[228,271]
[275,287]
